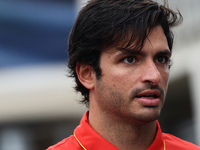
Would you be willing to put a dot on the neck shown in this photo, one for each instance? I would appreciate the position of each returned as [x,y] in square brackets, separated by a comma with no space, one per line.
[125,136]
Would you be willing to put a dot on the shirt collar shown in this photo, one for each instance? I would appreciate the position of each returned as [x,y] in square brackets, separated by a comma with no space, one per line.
[158,142]
[89,139]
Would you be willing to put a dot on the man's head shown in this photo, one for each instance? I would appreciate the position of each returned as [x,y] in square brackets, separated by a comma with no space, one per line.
[104,24]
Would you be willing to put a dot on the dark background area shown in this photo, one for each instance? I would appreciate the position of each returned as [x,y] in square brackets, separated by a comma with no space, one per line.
[33,32]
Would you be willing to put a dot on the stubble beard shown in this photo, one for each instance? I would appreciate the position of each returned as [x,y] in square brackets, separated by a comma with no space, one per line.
[115,106]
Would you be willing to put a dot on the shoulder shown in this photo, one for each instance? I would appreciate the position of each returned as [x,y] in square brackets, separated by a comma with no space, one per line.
[173,142]
[69,143]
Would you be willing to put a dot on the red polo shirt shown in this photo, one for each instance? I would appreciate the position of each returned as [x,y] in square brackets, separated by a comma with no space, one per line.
[85,138]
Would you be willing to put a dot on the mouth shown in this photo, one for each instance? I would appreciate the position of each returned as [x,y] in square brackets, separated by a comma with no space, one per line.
[149,97]
[149,94]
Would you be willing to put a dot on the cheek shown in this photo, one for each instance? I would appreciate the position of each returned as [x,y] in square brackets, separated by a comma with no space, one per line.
[165,79]
[120,78]
[111,77]
[123,83]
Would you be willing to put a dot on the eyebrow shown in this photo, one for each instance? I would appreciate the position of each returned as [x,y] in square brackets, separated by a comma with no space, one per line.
[164,53]
[141,53]
[127,51]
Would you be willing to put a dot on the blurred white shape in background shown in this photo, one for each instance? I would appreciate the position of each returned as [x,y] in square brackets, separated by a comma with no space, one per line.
[37,92]
[14,139]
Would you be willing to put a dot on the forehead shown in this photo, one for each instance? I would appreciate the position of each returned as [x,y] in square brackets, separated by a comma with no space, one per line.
[155,40]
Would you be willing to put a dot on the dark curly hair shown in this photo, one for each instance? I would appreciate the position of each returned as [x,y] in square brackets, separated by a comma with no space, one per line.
[105,23]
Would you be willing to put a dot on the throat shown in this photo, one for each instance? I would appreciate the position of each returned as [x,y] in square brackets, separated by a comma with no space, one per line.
[128,137]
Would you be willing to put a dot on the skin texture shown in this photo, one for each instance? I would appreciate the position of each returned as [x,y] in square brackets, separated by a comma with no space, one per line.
[130,94]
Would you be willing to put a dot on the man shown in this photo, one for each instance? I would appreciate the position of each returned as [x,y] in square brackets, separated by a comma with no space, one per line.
[119,55]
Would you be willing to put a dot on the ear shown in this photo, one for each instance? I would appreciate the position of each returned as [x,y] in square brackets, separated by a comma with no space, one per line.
[86,75]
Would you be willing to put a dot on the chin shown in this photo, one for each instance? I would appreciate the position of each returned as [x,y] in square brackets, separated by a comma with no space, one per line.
[147,116]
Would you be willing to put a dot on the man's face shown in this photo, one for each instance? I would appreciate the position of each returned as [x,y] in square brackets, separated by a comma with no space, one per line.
[133,85]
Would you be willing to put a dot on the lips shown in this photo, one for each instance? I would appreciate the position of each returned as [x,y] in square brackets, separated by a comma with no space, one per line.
[149,94]
[149,97]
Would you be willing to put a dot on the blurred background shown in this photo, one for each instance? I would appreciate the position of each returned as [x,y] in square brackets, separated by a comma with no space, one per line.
[38,106]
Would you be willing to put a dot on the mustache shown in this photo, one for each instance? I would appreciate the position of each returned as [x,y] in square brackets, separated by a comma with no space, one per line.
[147,87]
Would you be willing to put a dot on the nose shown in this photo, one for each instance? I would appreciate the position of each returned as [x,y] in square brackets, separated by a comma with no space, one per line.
[151,73]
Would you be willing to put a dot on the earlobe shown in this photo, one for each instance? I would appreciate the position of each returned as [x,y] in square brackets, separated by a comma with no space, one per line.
[85,75]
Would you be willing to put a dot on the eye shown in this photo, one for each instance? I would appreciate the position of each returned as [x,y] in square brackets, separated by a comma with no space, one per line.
[129,60]
[162,59]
